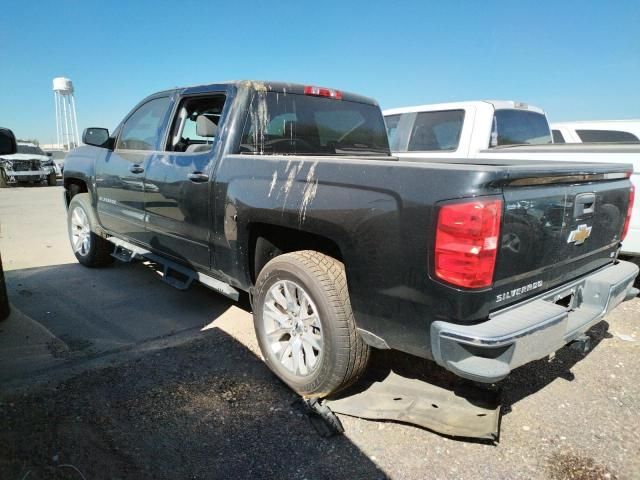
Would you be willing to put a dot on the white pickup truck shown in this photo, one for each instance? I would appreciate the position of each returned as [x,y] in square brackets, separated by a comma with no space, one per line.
[610,131]
[496,130]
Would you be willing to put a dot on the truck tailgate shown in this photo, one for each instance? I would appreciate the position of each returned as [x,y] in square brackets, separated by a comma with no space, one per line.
[558,227]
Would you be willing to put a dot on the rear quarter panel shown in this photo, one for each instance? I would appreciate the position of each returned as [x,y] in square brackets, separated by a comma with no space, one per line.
[381,215]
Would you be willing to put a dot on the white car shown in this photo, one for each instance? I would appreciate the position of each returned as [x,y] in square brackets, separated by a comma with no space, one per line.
[29,164]
[610,131]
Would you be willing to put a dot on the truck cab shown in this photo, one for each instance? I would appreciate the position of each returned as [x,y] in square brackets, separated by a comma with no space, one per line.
[460,129]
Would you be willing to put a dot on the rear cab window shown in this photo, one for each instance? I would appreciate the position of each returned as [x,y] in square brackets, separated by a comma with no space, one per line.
[519,127]
[296,124]
[611,136]
[436,131]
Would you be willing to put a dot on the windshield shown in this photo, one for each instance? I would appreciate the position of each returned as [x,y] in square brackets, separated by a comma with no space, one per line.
[292,124]
[29,149]
[517,127]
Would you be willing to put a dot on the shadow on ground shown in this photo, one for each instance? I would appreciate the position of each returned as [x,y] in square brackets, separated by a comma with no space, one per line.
[209,409]
[94,311]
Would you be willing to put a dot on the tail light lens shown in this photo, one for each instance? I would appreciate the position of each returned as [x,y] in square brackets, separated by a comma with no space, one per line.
[625,229]
[467,242]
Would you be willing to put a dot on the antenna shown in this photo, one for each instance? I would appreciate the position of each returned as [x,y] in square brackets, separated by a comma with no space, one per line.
[66,118]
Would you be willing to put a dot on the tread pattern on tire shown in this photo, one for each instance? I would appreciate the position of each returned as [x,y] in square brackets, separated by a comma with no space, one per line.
[352,351]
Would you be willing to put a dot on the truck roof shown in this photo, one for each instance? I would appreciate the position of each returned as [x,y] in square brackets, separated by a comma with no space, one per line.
[497,104]
[272,86]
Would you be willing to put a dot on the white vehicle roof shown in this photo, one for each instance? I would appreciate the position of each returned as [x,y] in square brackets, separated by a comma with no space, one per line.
[27,144]
[434,107]
[599,122]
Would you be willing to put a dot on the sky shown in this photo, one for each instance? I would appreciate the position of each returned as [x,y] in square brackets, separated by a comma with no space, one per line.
[578,60]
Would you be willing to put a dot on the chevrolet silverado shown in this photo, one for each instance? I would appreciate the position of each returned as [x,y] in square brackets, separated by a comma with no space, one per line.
[290,193]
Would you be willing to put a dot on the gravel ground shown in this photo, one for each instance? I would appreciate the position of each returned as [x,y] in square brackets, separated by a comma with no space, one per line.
[209,408]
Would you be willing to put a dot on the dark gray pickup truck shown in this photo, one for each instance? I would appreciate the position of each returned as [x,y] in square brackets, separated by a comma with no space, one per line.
[289,192]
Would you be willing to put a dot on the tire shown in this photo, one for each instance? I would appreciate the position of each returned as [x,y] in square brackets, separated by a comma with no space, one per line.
[321,280]
[52,180]
[3,179]
[92,250]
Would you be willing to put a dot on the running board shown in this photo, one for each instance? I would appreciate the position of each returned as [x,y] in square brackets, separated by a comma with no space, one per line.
[125,251]
[178,276]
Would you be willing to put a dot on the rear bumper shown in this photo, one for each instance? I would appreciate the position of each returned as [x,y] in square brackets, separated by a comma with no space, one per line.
[487,352]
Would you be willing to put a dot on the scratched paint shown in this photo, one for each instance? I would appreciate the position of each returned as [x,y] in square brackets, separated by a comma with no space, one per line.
[274,179]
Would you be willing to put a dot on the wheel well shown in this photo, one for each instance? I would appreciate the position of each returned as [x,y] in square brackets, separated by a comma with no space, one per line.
[269,241]
[73,186]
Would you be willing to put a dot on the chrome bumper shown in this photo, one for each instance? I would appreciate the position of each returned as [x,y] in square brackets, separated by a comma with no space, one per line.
[488,351]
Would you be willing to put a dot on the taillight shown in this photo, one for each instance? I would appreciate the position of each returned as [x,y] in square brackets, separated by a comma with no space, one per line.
[323,92]
[467,242]
[627,221]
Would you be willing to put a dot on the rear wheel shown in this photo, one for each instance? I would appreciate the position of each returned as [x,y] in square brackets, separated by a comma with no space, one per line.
[305,325]
[90,249]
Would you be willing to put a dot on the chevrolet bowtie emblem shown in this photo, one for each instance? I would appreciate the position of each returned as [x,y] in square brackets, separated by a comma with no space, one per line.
[579,235]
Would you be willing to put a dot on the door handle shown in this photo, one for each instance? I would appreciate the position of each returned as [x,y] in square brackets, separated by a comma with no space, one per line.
[198,177]
[585,204]
[136,168]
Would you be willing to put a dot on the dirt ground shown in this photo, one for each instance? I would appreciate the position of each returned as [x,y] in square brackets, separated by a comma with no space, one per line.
[113,374]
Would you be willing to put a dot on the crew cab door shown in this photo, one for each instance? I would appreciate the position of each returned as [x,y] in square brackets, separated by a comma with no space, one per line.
[177,183]
[120,173]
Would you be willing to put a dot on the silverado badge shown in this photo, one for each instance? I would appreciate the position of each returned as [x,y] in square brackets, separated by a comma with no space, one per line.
[579,235]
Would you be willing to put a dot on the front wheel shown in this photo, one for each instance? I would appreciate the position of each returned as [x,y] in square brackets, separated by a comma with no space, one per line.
[305,325]
[52,181]
[90,249]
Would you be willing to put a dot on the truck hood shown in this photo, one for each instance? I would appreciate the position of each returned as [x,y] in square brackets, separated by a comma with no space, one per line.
[24,156]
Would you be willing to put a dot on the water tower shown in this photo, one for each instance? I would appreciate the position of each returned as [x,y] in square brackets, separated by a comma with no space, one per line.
[66,118]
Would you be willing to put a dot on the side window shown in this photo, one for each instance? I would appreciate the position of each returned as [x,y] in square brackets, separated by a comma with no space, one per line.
[557,136]
[143,129]
[195,125]
[434,131]
[592,136]
[392,130]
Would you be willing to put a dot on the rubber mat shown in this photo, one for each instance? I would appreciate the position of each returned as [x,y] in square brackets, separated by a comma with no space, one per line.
[464,411]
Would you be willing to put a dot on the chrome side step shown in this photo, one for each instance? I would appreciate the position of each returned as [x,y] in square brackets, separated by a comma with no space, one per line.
[178,276]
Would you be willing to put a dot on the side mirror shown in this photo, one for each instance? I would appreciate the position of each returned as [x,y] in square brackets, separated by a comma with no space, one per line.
[8,144]
[98,137]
